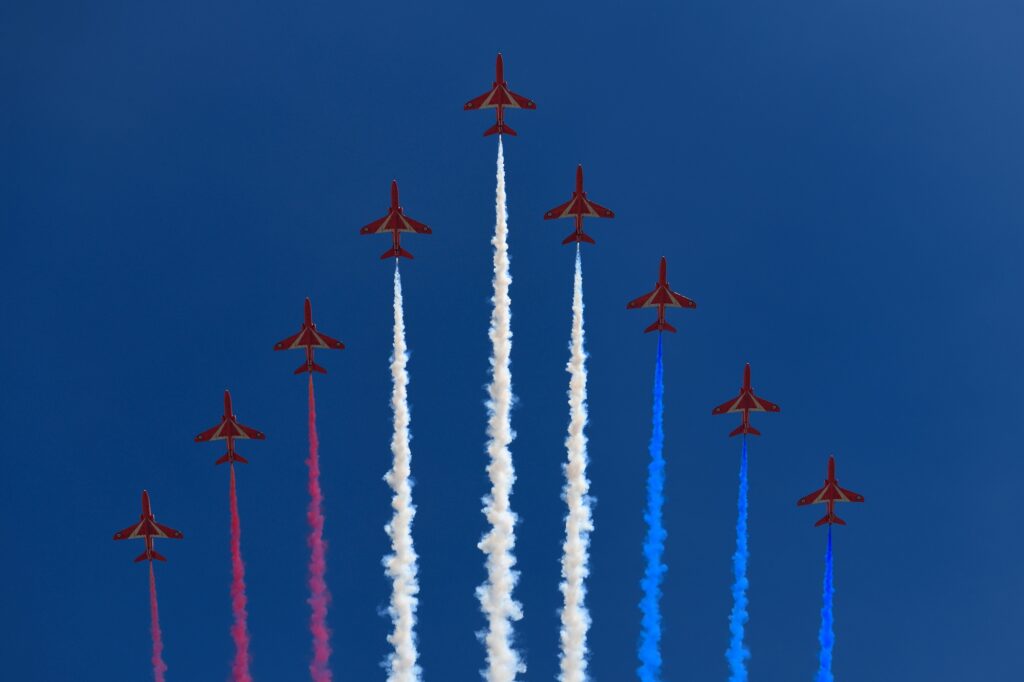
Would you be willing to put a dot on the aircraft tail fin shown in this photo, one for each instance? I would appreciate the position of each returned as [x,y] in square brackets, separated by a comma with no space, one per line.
[580,237]
[660,326]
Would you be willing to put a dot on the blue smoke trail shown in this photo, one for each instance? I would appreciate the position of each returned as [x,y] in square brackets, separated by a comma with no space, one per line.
[738,653]
[826,636]
[654,544]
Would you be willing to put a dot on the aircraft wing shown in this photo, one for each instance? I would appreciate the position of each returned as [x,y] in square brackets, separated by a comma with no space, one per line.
[374,227]
[728,406]
[849,495]
[679,301]
[645,301]
[598,211]
[480,102]
[324,341]
[167,532]
[129,532]
[499,96]
[210,434]
[561,211]
[518,101]
[817,497]
[310,338]
[416,226]
[287,343]
[762,405]
[248,432]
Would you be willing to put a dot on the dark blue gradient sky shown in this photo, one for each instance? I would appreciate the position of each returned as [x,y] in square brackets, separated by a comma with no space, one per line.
[837,184]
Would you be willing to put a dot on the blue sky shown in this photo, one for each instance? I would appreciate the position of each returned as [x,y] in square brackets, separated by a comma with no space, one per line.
[836,184]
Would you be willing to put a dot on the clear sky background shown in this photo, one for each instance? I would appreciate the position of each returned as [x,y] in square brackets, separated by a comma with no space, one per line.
[837,184]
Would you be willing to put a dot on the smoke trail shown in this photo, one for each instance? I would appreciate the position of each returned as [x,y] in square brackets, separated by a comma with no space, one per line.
[495,595]
[318,593]
[401,565]
[826,637]
[159,667]
[578,522]
[654,544]
[738,653]
[240,627]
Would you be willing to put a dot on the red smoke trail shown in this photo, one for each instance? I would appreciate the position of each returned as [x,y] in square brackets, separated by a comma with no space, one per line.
[159,667]
[240,628]
[318,594]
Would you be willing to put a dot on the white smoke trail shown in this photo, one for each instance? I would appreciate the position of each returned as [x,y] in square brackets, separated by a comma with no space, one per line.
[401,565]
[495,595]
[578,522]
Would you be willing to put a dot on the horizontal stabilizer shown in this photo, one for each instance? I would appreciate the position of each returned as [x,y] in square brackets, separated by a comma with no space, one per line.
[396,253]
[749,429]
[150,554]
[830,519]
[310,368]
[660,326]
[500,129]
[232,457]
[578,237]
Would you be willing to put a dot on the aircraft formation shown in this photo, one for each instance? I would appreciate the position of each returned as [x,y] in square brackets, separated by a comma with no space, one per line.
[395,223]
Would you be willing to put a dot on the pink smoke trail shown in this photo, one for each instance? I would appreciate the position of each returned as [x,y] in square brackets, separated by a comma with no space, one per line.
[159,667]
[319,596]
[240,628]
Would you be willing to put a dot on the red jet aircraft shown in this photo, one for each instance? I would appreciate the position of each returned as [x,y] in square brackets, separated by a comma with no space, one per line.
[309,338]
[499,97]
[395,222]
[661,298]
[829,495]
[229,429]
[579,207]
[148,528]
[746,402]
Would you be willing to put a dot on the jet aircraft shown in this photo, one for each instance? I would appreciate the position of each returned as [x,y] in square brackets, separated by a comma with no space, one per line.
[660,298]
[395,222]
[308,339]
[746,402]
[829,495]
[499,97]
[148,528]
[578,208]
[230,430]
